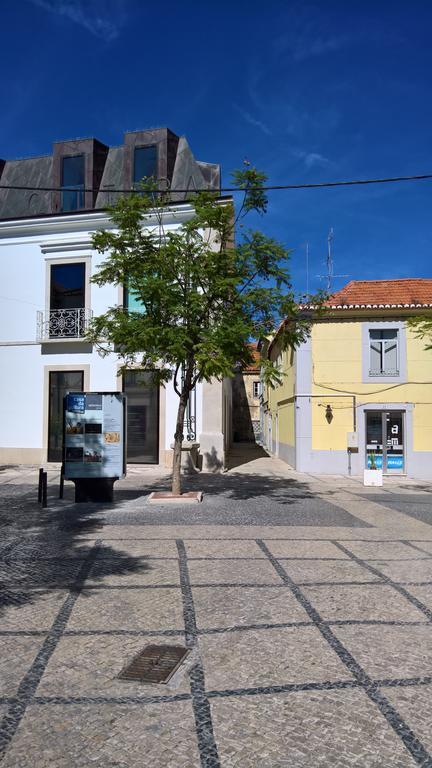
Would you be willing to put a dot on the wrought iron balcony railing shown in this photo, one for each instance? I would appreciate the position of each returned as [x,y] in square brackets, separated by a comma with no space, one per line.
[189,423]
[62,324]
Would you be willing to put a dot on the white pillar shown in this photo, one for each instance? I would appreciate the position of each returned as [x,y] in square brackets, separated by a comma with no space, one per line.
[212,443]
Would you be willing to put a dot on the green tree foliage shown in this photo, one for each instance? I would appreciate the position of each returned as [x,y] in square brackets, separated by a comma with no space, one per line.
[422,327]
[203,295]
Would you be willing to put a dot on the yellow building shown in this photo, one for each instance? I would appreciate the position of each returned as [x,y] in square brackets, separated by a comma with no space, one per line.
[359,390]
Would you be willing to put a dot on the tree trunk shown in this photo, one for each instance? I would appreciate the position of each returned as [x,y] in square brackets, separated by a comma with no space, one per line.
[178,442]
[178,436]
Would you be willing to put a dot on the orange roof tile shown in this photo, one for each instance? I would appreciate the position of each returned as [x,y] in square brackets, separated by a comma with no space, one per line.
[411,291]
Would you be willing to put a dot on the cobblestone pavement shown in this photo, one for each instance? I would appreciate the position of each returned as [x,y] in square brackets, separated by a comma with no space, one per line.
[306,603]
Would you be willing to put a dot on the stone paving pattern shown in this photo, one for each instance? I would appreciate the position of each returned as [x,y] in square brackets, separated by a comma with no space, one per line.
[306,603]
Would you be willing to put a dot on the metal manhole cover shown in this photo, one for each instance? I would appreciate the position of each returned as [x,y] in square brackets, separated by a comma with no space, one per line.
[154,664]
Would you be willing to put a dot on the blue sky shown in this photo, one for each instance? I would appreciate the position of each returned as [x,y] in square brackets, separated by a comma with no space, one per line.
[307,92]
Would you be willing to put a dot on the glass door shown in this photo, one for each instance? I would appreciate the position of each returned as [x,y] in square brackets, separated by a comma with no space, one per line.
[374,440]
[395,460]
[142,418]
[60,382]
[385,441]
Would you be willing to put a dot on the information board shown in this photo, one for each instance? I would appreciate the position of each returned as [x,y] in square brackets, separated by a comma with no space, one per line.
[94,435]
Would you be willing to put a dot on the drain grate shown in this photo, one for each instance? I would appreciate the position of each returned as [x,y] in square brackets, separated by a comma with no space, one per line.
[154,664]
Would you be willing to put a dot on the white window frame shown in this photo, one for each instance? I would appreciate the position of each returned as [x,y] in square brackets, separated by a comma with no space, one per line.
[51,261]
[256,389]
[56,261]
[381,343]
[381,325]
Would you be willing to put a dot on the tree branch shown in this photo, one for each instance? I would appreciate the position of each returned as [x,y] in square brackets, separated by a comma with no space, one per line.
[175,381]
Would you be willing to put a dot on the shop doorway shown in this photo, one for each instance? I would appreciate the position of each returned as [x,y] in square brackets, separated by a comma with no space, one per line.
[142,418]
[385,441]
[60,382]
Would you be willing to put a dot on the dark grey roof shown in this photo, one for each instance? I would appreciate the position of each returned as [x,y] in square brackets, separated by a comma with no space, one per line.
[32,172]
[106,169]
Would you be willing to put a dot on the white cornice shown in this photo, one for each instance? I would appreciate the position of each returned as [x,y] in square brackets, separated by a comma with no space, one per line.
[345,307]
[62,247]
[90,221]
[84,222]
[378,306]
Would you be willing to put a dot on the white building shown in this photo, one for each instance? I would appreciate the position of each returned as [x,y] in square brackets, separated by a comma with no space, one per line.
[46,299]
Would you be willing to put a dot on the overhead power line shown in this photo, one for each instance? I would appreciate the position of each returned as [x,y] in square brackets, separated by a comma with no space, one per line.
[270,188]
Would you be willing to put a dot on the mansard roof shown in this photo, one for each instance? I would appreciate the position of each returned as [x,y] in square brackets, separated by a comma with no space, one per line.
[107,169]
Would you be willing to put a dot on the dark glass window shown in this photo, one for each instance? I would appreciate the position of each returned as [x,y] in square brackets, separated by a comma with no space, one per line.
[145,163]
[73,183]
[60,382]
[67,286]
[142,417]
[256,388]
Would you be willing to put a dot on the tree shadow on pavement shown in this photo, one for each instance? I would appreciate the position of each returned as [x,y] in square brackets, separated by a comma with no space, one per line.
[45,549]
[230,499]
[242,487]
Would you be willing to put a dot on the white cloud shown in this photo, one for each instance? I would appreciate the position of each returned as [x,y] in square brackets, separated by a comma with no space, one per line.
[253,120]
[102,18]
[306,48]
[309,33]
[311,159]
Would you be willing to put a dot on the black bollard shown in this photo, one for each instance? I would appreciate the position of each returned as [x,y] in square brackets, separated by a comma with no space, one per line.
[61,489]
[41,471]
[44,489]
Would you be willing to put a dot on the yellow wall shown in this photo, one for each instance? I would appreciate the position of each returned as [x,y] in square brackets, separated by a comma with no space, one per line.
[337,364]
[336,371]
[419,369]
[281,399]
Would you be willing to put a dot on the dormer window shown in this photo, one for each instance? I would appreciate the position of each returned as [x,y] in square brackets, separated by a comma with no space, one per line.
[145,163]
[72,183]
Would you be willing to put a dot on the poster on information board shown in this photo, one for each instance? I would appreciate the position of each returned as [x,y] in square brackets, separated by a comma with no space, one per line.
[94,435]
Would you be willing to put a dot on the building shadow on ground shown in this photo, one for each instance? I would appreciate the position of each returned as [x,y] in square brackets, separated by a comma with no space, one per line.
[244,453]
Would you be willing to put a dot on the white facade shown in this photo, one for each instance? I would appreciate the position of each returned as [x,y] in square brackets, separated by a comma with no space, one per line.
[29,351]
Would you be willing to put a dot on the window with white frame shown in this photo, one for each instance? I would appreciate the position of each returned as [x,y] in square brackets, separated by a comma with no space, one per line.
[256,388]
[384,352]
[67,312]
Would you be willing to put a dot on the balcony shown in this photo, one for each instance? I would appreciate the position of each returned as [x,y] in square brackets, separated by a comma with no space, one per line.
[62,324]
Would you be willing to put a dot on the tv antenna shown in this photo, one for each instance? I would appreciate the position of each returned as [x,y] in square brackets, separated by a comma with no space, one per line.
[329,277]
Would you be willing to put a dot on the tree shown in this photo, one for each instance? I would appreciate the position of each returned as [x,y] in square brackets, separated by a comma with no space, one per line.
[203,296]
[422,328]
